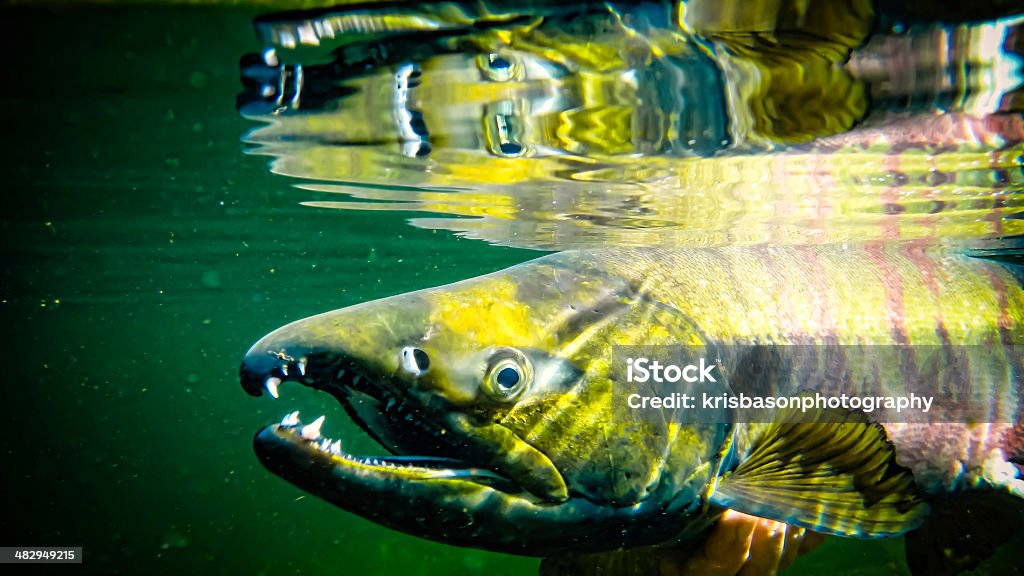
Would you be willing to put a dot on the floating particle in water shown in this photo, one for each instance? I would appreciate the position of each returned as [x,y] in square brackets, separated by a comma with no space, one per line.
[211,279]
[174,540]
[197,80]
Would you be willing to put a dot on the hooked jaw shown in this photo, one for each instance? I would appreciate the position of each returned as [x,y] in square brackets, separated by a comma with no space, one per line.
[311,352]
[446,477]
[466,507]
[368,358]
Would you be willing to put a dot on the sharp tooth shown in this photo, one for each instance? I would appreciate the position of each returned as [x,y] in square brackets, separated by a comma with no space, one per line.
[272,384]
[312,431]
[336,447]
[284,369]
[291,419]
[302,367]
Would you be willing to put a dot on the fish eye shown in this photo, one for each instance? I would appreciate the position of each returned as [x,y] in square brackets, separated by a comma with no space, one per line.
[506,134]
[499,68]
[507,377]
[510,148]
[414,360]
[509,374]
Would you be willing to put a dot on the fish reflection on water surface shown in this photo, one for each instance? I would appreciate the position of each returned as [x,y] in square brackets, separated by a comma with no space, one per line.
[829,176]
[641,135]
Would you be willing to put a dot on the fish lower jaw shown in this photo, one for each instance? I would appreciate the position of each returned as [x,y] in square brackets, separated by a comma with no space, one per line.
[307,438]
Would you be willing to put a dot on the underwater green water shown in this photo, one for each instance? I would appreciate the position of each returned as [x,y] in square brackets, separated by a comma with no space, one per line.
[142,254]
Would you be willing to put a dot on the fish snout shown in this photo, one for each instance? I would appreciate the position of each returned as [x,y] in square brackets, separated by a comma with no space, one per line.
[256,372]
[272,360]
[332,351]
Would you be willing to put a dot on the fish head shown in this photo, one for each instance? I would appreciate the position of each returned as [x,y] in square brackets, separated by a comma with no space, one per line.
[494,398]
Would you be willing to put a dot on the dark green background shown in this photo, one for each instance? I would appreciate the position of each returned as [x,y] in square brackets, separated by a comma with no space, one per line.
[142,253]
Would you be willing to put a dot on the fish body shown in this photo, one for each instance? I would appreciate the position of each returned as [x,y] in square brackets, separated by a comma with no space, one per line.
[499,401]
[503,401]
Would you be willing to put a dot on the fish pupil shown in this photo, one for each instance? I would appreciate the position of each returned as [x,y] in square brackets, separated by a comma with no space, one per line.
[421,359]
[507,377]
[415,360]
[510,148]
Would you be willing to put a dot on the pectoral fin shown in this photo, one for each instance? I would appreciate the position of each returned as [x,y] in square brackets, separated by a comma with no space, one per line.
[832,472]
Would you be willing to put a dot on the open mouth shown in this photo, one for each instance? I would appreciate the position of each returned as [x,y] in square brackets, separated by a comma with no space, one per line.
[444,471]
[417,449]
[307,439]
